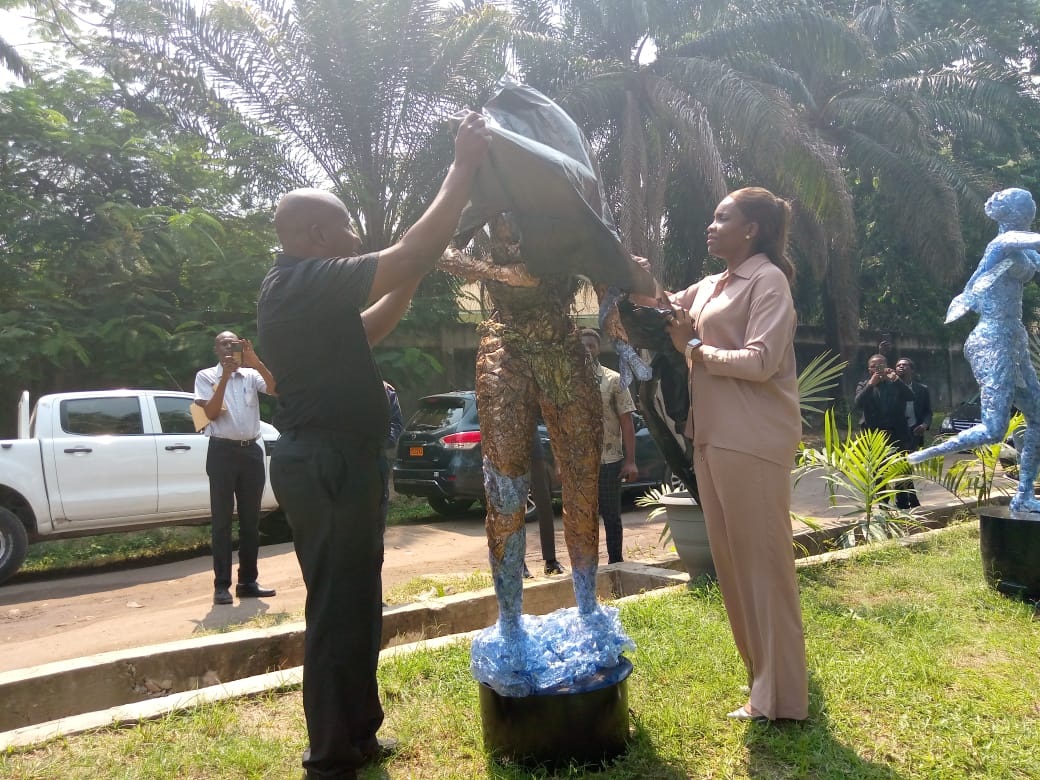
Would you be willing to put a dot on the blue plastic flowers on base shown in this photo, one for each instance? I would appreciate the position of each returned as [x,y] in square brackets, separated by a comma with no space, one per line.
[548,654]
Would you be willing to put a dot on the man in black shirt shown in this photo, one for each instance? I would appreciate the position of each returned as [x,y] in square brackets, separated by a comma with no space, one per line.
[882,400]
[918,419]
[321,307]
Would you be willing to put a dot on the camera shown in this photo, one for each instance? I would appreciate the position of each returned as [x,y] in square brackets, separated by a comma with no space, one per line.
[236,353]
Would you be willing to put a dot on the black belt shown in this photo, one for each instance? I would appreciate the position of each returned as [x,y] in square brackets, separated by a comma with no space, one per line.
[233,442]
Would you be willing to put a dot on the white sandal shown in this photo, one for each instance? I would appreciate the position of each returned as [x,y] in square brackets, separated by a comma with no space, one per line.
[741,713]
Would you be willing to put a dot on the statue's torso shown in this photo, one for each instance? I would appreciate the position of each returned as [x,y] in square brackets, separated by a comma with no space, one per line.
[539,313]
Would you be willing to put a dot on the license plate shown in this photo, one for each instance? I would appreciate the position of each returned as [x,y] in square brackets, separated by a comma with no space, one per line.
[415,452]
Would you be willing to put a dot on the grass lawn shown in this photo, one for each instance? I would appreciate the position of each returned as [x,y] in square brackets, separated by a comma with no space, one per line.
[918,670]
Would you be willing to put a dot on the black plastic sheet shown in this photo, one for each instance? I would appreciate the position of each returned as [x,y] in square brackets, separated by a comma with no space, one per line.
[541,169]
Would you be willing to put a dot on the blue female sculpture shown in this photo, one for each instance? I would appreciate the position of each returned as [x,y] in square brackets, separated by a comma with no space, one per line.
[998,347]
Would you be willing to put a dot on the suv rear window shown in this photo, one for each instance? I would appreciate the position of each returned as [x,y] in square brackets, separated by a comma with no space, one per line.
[436,414]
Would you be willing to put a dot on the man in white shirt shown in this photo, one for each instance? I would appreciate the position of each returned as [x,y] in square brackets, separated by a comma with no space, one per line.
[228,393]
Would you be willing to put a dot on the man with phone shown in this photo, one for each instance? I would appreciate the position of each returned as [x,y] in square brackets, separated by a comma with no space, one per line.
[882,399]
[228,394]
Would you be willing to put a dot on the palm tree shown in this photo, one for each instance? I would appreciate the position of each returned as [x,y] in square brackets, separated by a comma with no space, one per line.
[356,92]
[788,96]
[890,118]
[676,130]
[10,58]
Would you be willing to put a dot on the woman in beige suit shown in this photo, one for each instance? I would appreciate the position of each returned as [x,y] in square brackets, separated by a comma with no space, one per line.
[737,331]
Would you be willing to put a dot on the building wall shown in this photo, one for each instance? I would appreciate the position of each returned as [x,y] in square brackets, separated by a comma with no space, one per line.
[941,366]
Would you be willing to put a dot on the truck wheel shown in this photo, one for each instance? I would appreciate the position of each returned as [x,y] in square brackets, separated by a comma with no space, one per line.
[14,543]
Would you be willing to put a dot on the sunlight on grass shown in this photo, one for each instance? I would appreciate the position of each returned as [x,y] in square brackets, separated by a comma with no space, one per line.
[917,670]
[436,586]
[94,551]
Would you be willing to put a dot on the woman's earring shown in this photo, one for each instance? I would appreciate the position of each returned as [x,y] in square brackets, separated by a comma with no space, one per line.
[747,237]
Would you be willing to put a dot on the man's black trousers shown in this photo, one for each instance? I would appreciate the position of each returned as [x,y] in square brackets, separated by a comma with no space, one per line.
[610,508]
[331,488]
[236,476]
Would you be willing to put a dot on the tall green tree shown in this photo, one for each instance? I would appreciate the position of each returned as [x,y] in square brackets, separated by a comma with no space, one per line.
[667,122]
[359,91]
[791,96]
[123,243]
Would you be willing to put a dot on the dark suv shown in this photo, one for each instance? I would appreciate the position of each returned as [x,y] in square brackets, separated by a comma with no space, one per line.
[439,456]
[969,413]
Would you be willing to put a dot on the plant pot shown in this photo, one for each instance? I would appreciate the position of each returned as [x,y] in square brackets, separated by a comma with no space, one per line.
[1009,543]
[582,726]
[689,535]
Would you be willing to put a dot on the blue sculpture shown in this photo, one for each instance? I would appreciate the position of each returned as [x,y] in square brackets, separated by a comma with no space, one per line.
[998,347]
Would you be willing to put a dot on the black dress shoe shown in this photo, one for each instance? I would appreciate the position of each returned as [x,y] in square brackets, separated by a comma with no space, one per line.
[222,596]
[383,748]
[527,573]
[553,567]
[252,590]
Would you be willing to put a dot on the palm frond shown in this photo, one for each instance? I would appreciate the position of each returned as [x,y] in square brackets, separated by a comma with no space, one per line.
[12,61]
[976,477]
[863,474]
[817,381]
[788,36]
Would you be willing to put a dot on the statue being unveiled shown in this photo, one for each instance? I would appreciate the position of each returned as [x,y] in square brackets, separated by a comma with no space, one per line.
[545,222]
[998,347]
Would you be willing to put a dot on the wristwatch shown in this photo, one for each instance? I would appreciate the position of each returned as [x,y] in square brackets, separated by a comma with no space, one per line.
[691,345]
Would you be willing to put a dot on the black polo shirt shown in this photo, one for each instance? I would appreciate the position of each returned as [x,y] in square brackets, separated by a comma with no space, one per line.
[310,333]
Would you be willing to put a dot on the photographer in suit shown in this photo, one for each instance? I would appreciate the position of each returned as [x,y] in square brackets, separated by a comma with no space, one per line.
[918,419]
[881,399]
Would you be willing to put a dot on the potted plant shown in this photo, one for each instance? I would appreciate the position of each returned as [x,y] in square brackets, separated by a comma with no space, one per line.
[684,527]
[684,518]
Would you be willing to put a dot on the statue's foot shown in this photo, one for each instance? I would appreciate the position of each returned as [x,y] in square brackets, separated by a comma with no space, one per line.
[1025,503]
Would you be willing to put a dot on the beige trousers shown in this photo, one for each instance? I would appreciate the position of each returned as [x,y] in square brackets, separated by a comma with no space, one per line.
[747,502]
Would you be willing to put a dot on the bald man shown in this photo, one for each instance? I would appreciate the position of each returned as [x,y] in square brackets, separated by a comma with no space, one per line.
[321,307]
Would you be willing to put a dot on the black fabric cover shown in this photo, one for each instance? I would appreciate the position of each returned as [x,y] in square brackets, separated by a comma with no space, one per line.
[541,169]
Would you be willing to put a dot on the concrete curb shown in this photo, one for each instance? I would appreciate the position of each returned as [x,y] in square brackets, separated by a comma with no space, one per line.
[124,687]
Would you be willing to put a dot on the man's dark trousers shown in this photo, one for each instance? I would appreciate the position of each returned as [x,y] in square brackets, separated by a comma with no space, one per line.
[610,508]
[331,488]
[236,475]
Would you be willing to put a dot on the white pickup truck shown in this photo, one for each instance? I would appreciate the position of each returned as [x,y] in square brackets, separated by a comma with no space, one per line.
[104,461]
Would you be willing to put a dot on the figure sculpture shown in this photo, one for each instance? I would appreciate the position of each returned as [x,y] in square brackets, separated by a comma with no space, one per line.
[540,206]
[531,360]
[998,348]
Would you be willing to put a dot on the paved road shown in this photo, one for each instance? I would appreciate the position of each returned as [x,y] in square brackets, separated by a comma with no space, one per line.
[44,621]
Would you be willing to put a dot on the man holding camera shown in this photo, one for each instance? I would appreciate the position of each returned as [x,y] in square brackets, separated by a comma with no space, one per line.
[882,400]
[228,394]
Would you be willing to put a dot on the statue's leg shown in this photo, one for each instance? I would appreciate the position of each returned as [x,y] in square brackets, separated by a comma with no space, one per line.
[1028,401]
[573,413]
[506,397]
[996,410]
